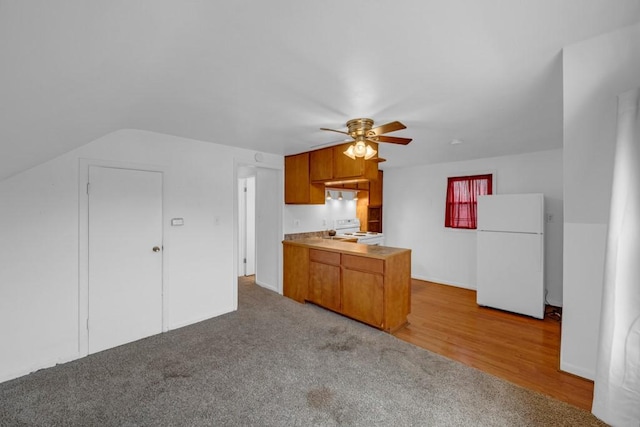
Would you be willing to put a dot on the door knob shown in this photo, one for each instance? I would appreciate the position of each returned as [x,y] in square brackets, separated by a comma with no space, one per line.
[156,249]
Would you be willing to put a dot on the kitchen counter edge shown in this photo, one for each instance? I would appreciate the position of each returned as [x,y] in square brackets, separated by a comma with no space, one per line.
[372,251]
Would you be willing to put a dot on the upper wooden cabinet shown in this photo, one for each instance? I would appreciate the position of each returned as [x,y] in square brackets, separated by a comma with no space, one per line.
[346,167]
[369,206]
[298,188]
[321,164]
[331,165]
[306,174]
[375,190]
[358,186]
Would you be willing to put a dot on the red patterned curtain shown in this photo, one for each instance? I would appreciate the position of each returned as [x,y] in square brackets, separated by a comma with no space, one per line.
[462,196]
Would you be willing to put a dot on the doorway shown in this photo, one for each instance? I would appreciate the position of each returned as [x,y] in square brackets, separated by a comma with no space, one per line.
[124,251]
[266,245]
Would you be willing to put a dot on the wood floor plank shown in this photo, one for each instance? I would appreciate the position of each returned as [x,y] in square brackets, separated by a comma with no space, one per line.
[520,349]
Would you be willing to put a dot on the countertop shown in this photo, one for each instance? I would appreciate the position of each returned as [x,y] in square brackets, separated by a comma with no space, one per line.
[371,251]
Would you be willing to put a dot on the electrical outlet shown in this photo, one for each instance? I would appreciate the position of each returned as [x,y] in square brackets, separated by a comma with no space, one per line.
[548,217]
[296,223]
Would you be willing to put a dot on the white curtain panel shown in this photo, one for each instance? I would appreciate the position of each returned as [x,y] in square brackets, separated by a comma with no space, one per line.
[617,384]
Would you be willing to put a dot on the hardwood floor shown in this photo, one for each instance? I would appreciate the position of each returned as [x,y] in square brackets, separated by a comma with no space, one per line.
[525,351]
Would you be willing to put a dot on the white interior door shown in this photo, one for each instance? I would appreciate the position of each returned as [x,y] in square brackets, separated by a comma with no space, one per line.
[125,256]
[246,226]
[242,226]
[250,254]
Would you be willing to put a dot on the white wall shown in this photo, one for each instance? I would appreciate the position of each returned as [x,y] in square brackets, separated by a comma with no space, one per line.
[39,231]
[306,218]
[594,73]
[268,224]
[414,205]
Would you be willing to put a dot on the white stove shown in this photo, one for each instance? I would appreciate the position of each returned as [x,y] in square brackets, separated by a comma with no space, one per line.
[350,228]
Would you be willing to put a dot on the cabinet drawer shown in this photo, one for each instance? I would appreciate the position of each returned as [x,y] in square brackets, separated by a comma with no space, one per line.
[325,257]
[361,263]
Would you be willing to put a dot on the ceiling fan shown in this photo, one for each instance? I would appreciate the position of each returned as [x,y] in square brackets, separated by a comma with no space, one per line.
[362,130]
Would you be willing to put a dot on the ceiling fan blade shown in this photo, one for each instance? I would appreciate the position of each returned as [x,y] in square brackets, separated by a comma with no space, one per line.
[389,127]
[379,160]
[333,130]
[394,139]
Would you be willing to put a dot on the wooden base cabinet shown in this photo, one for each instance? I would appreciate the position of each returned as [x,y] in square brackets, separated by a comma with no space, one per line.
[375,290]
[296,272]
[324,274]
[363,297]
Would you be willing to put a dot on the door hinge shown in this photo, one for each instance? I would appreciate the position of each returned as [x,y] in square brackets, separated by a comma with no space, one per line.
[245,189]
[88,184]
[244,260]
[87,323]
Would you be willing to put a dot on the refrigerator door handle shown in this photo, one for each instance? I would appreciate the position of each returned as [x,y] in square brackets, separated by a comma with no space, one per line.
[541,256]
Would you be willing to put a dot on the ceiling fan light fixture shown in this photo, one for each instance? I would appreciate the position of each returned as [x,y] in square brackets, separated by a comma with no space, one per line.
[350,152]
[360,149]
[369,153]
[362,130]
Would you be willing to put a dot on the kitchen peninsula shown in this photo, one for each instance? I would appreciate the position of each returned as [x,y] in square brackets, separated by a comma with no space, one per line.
[368,283]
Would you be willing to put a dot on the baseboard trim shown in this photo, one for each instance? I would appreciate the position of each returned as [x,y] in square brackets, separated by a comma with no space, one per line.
[444,282]
[199,319]
[577,370]
[49,363]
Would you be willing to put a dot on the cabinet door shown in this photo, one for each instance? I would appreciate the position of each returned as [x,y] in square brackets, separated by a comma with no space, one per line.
[346,167]
[324,278]
[375,190]
[363,296]
[369,209]
[296,272]
[321,166]
[297,186]
[324,285]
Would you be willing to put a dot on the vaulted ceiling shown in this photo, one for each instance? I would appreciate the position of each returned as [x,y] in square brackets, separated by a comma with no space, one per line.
[266,75]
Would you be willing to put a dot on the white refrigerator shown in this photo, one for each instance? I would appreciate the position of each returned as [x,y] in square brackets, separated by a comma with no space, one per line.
[510,251]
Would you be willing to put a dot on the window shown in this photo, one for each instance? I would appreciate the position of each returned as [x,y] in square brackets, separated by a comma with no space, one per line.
[461,204]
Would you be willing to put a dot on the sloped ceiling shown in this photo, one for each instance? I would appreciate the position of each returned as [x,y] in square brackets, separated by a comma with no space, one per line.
[266,75]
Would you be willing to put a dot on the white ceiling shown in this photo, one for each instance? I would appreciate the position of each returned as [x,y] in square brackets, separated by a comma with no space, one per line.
[266,75]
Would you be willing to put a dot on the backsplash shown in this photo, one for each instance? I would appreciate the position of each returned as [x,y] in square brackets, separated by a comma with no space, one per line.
[296,236]
[301,219]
